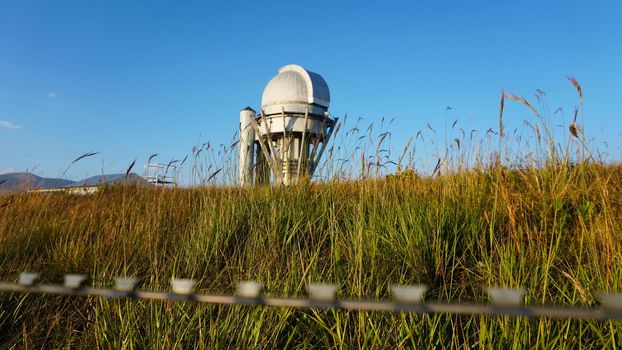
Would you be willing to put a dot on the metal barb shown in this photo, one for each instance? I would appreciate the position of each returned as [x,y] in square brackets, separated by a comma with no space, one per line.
[182,286]
[125,284]
[506,296]
[249,289]
[27,278]
[322,291]
[611,301]
[409,294]
[74,280]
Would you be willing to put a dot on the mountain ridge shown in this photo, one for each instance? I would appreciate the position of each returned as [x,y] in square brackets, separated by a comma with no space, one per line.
[24,181]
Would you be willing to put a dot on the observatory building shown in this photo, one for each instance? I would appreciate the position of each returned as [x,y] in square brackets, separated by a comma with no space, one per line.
[285,142]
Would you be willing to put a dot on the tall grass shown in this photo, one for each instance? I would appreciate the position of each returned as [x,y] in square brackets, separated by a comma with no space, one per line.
[548,221]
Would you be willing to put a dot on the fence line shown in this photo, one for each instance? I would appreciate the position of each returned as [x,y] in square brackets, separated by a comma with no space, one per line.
[505,301]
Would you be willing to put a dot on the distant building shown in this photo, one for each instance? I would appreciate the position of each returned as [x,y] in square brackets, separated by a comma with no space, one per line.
[159,174]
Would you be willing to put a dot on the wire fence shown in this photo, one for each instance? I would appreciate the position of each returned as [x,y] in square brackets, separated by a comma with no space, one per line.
[408,298]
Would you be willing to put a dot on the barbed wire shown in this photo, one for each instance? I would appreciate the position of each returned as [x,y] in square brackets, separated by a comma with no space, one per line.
[408,298]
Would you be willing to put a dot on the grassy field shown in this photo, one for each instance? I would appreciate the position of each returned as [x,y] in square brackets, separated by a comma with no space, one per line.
[552,226]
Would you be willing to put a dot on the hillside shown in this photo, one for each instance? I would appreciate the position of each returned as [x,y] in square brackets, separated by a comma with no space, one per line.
[13,182]
[16,182]
[132,178]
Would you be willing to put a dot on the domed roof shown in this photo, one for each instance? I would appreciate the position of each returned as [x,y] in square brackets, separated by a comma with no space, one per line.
[296,85]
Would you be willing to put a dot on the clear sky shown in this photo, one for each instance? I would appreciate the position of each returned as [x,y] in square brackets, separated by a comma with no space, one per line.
[132,78]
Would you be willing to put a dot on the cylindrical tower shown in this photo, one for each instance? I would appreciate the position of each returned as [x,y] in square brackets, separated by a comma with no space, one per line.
[247,146]
[291,132]
[294,123]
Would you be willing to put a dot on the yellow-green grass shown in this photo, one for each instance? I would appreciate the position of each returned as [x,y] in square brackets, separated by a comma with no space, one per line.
[555,231]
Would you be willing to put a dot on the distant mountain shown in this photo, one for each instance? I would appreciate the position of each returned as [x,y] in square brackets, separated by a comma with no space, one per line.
[16,182]
[132,178]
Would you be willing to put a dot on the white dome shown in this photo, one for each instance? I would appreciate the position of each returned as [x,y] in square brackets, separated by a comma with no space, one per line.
[295,85]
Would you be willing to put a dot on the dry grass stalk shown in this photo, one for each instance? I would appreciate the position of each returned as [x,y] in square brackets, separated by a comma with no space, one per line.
[521,101]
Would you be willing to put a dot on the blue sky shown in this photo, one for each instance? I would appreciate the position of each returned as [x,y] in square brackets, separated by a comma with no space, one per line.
[132,78]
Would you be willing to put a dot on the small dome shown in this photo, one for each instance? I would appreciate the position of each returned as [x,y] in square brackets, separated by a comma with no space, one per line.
[295,85]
